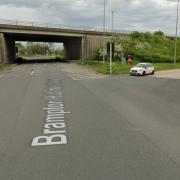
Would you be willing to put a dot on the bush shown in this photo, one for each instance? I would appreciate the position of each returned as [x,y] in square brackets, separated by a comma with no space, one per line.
[146,47]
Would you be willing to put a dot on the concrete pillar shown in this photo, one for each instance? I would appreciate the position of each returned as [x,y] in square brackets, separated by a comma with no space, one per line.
[84,51]
[93,43]
[73,49]
[7,49]
[10,50]
[1,48]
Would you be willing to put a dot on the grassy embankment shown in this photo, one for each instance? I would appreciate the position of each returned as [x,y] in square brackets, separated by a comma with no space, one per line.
[124,69]
[144,47]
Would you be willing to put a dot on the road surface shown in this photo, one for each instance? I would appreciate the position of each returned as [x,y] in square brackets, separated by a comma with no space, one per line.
[108,128]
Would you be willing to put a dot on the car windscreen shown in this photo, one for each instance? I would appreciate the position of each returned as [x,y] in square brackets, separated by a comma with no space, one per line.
[141,65]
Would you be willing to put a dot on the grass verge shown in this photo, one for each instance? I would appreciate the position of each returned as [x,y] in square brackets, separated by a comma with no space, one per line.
[118,68]
[6,67]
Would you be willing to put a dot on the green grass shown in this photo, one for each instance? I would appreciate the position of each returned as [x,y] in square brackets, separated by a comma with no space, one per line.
[166,66]
[124,69]
[104,68]
[4,67]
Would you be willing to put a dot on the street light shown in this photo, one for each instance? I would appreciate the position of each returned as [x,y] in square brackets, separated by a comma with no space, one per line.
[110,65]
[175,47]
[104,26]
[112,22]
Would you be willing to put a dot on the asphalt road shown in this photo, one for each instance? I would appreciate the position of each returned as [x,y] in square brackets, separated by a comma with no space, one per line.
[116,128]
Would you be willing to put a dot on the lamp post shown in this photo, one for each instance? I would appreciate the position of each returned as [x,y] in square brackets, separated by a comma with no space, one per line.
[111,44]
[175,46]
[112,22]
[104,28]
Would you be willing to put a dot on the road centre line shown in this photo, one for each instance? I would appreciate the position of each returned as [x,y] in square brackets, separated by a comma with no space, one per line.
[33,70]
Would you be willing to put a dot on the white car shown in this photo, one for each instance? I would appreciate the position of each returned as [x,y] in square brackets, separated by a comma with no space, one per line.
[142,69]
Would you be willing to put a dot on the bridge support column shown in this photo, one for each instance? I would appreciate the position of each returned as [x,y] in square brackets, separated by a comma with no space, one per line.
[91,43]
[7,49]
[73,49]
[1,48]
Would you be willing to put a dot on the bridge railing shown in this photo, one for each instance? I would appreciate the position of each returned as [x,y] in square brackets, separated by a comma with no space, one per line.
[59,26]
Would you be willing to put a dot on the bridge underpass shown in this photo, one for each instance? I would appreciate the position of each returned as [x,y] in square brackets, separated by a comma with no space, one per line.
[72,45]
[78,44]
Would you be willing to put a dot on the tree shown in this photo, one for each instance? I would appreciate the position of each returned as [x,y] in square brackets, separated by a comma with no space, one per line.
[158,33]
[118,51]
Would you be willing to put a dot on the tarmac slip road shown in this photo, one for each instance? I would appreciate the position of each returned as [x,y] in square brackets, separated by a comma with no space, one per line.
[112,128]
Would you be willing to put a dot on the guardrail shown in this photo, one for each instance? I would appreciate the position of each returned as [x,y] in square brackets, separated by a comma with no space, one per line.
[57,26]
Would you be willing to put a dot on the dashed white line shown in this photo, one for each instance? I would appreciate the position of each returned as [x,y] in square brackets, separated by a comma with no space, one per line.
[33,70]
[32,73]
[78,76]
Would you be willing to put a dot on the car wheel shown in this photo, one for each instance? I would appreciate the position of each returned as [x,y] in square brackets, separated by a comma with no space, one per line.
[144,73]
[153,72]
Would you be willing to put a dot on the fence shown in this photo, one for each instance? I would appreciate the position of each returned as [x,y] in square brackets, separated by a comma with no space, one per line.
[58,26]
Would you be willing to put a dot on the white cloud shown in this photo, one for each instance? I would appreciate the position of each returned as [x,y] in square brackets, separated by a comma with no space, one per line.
[143,15]
[19,13]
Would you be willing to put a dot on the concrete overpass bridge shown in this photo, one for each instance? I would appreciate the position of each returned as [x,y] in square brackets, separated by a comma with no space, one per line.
[78,43]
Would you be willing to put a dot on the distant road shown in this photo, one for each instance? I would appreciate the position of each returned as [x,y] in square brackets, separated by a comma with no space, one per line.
[39,59]
[36,58]
[108,128]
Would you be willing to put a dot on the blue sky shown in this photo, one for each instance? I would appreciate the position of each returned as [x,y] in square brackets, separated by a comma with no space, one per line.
[142,15]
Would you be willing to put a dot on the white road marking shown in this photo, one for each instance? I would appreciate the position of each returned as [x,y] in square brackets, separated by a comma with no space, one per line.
[33,70]
[54,132]
[77,72]
[32,73]
[83,76]
[72,77]
[174,74]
